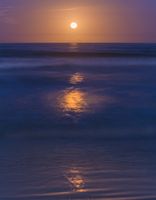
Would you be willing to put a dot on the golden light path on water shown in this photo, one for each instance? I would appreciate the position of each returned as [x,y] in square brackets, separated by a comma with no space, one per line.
[77,78]
[75,101]
[76,180]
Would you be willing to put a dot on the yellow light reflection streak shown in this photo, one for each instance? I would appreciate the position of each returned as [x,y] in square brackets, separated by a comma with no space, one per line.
[73,100]
[76,78]
[76,180]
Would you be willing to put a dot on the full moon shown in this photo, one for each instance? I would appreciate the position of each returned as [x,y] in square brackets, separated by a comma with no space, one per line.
[73,25]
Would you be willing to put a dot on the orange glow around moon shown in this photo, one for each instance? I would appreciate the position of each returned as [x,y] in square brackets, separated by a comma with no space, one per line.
[73,25]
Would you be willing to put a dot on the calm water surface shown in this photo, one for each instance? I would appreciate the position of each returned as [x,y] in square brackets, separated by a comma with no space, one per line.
[78,170]
[77,90]
[77,121]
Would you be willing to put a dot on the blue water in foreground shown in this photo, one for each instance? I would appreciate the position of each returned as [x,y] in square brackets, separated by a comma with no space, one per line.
[77,121]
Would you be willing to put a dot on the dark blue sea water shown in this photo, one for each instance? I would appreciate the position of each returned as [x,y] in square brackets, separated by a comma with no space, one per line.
[78,121]
[78,90]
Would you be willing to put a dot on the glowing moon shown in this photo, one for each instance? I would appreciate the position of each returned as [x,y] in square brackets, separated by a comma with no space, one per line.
[73,25]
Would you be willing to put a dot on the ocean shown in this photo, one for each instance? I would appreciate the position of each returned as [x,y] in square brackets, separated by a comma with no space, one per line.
[77,121]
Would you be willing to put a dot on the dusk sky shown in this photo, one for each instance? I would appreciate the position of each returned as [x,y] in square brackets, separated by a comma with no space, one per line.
[98,20]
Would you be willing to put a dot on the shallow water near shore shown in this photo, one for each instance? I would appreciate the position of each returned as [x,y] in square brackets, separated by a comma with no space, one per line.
[72,169]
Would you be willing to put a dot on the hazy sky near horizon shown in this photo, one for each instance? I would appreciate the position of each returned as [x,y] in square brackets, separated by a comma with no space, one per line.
[99,20]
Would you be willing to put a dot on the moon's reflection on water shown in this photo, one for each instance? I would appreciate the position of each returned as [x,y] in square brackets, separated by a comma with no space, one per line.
[75,101]
[75,180]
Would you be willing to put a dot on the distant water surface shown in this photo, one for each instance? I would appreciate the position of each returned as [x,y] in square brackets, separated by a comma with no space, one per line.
[78,90]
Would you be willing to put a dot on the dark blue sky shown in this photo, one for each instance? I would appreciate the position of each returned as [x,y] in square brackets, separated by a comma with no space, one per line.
[98,20]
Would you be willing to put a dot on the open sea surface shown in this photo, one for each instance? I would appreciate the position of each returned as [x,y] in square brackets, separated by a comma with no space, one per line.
[78,121]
